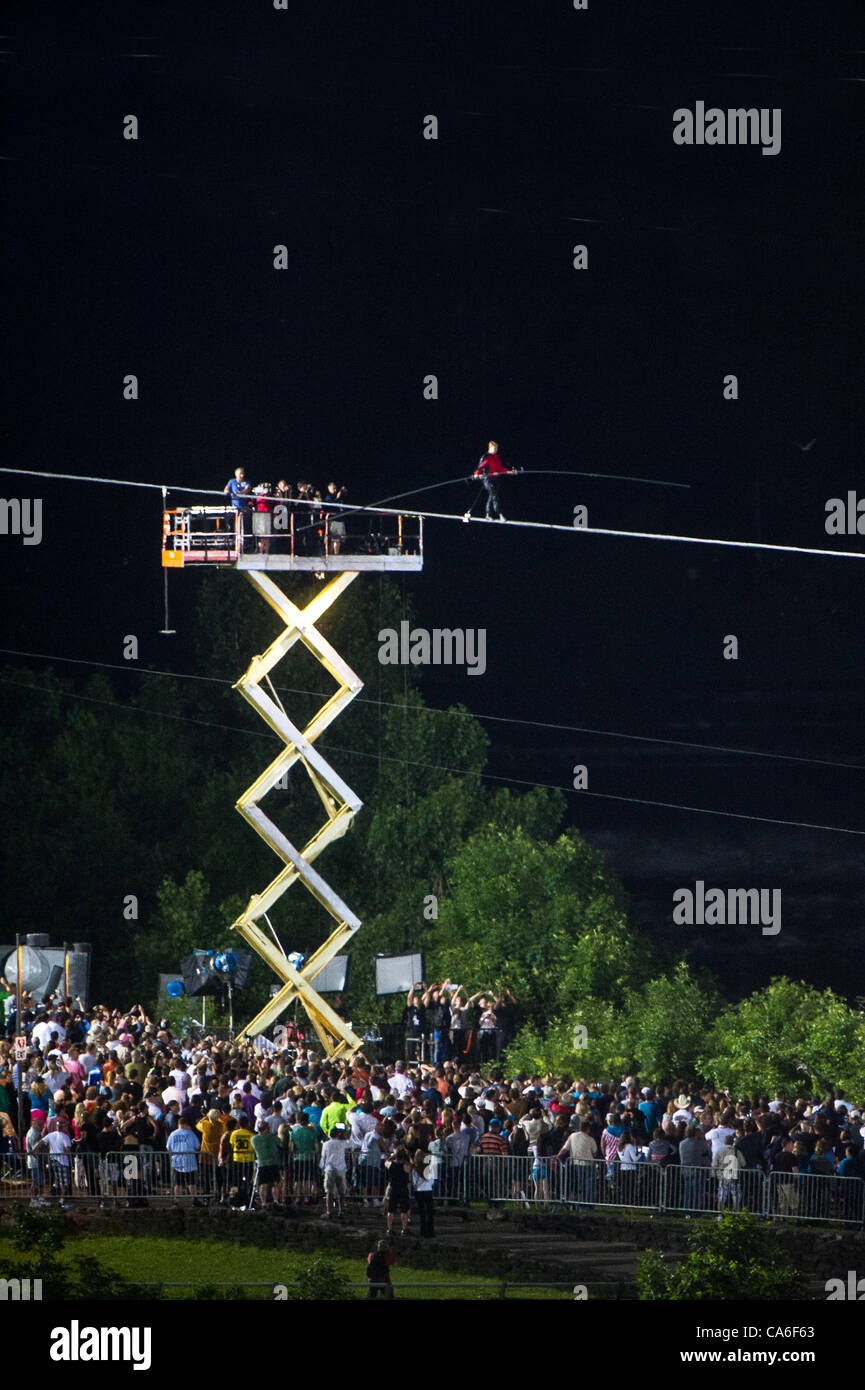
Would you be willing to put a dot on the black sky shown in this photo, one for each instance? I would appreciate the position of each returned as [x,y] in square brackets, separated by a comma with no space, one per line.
[453,257]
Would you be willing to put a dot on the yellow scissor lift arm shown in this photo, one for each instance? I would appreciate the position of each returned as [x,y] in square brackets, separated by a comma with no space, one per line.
[340,803]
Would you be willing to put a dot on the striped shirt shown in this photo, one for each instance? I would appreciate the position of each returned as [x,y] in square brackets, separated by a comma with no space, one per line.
[493,1143]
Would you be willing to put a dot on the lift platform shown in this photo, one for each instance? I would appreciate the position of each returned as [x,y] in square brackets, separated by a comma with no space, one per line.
[292,537]
[337,549]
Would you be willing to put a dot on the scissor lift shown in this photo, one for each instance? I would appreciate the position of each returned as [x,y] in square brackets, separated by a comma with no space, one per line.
[373,541]
[214,536]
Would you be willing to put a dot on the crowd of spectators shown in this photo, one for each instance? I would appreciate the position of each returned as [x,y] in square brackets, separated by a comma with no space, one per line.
[277,513]
[101,1095]
[443,1023]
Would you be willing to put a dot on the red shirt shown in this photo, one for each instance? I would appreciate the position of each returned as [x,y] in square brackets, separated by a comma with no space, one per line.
[490,463]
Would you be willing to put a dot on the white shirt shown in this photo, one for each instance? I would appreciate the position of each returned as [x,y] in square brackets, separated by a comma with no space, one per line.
[359,1125]
[717,1136]
[41,1034]
[173,1093]
[333,1154]
[59,1145]
[399,1084]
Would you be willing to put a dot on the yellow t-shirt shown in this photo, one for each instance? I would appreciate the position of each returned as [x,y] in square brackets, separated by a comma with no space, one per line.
[211,1132]
[241,1146]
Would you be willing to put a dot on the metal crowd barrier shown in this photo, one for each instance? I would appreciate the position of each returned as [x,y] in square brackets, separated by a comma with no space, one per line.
[113,1178]
[688,1189]
[141,1177]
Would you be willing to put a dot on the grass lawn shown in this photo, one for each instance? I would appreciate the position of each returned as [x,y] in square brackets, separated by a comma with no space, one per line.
[177,1259]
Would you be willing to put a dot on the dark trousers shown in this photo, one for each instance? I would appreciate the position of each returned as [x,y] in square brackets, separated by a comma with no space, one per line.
[492,491]
[425,1212]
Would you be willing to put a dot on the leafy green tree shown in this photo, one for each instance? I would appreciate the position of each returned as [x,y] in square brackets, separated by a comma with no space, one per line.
[586,1040]
[321,1280]
[611,1020]
[532,917]
[668,1020]
[786,1035]
[731,1259]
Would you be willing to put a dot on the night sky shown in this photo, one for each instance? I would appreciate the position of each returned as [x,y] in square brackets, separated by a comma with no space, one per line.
[454,257]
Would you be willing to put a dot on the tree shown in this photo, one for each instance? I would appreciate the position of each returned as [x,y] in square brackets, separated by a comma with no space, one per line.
[587,1039]
[667,1022]
[533,917]
[322,1279]
[731,1259]
[787,1035]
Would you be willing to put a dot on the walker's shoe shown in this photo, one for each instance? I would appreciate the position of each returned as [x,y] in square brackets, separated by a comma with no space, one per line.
[466,516]
[502,518]
[319,574]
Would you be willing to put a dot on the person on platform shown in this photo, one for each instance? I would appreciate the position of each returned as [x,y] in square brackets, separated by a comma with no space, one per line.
[304,521]
[239,490]
[281,517]
[490,469]
[262,520]
[335,493]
